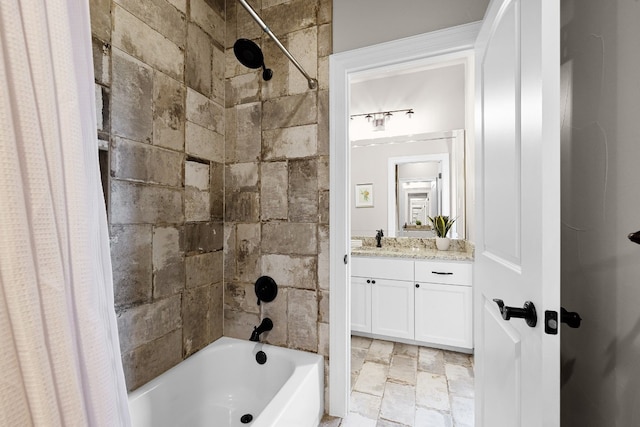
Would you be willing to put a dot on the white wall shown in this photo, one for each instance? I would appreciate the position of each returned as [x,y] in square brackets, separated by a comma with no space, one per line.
[358,23]
[418,170]
[370,165]
[436,95]
[600,206]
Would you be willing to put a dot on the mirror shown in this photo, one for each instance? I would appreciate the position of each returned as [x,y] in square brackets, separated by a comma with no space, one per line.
[444,172]
[400,119]
[418,195]
[410,179]
[417,200]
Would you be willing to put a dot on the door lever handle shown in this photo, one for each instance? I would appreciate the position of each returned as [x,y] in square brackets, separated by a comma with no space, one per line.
[634,237]
[571,318]
[528,312]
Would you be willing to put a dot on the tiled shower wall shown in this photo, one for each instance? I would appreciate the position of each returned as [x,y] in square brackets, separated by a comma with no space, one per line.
[159,69]
[277,175]
[171,97]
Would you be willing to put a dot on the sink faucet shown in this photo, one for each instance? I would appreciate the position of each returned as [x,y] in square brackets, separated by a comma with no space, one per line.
[379,237]
[265,326]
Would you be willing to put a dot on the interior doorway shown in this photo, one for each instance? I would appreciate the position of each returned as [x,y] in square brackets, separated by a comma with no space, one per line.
[440,47]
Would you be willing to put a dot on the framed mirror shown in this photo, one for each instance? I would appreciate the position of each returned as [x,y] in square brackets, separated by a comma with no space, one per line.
[418,194]
[428,185]
[415,177]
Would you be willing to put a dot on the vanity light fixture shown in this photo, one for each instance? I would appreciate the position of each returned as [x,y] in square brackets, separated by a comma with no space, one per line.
[378,123]
[380,118]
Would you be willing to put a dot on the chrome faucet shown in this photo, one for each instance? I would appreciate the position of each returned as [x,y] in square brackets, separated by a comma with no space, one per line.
[379,237]
[265,326]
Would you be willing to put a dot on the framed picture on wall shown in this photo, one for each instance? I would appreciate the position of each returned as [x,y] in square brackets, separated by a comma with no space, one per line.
[364,195]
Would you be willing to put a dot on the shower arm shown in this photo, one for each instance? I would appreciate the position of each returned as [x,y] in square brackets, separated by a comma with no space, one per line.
[313,83]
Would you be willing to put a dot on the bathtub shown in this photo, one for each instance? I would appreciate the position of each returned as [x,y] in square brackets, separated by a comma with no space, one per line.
[223,385]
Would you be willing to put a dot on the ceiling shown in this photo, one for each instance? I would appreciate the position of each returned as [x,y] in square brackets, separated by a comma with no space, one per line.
[436,95]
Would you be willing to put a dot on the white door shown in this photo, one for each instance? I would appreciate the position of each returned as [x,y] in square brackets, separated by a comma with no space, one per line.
[518,212]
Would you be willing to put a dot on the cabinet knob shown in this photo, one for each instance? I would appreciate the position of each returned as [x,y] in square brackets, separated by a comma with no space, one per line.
[417,285]
[373,281]
[368,281]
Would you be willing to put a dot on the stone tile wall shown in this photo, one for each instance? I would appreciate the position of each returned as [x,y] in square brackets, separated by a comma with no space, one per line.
[213,172]
[276,219]
[159,67]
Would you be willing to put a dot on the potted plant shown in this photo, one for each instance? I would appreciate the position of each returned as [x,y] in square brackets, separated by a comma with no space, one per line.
[418,223]
[442,224]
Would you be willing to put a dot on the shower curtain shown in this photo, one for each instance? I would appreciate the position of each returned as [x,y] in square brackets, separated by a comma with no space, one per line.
[59,352]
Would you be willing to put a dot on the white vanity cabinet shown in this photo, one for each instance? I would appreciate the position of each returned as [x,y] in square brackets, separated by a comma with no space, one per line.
[392,308]
[443,303]
[360,304]
[427,302]
[382,297]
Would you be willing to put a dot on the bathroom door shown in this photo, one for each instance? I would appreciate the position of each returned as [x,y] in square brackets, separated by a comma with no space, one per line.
[518,213]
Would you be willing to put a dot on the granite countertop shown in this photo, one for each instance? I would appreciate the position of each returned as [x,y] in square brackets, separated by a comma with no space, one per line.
[414,248]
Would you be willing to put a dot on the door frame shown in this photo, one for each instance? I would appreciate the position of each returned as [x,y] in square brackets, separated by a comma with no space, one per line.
[451,44]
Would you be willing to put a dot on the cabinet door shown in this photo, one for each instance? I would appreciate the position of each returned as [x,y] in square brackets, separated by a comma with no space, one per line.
[443,314]
[392,308]
[360,304]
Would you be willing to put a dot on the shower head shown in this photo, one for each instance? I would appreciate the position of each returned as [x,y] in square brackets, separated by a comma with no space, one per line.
[250,55]
[313,83]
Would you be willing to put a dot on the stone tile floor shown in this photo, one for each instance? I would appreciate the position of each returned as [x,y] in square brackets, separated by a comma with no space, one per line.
[395,384]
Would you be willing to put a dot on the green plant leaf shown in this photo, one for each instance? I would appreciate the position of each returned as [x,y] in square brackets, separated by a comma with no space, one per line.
[441,224]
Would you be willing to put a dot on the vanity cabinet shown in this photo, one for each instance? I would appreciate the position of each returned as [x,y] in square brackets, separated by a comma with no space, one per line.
[392,303]
[427,302]
[382,297]
[360,304]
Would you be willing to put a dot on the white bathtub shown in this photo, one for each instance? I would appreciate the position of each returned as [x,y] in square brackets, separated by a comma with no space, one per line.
[222,382]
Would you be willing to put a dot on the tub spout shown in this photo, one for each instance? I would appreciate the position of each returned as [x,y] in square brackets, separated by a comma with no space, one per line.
[265,326]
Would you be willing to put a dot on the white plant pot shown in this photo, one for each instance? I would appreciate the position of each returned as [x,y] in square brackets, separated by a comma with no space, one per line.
[442,243]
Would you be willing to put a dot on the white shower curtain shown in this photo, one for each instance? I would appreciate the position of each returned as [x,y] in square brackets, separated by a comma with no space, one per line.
[59,352]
